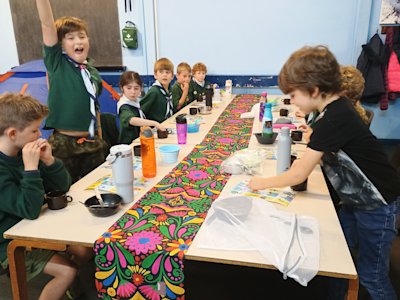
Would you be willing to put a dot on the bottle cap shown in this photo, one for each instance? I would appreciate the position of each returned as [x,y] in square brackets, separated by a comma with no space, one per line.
[122,149]
[146,131]
[181,119]
[285,130]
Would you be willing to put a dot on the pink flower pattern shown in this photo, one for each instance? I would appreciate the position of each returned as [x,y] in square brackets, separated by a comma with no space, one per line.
[143,241]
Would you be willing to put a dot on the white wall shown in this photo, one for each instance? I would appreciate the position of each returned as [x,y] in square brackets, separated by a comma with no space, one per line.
[8,49]
[142,59]
[255,37]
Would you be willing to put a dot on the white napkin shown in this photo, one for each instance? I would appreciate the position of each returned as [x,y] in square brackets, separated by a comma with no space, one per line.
[251,114]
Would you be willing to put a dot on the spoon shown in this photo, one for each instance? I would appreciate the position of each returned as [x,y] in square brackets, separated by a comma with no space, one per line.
[98,196]
[97,205]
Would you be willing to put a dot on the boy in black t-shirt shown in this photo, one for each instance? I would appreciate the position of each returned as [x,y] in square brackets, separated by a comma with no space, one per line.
[354,161]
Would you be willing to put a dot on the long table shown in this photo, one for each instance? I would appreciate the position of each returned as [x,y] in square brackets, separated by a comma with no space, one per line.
[75,226]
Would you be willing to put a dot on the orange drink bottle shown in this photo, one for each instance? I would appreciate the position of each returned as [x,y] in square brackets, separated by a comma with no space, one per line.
[148,152]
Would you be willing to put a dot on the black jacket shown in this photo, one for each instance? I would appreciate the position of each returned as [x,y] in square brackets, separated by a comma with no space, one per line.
[372,63]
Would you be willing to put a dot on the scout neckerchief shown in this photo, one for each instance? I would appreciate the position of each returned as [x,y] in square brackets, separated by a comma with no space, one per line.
[170,106]
[200,83]
[124,100]
[90,88]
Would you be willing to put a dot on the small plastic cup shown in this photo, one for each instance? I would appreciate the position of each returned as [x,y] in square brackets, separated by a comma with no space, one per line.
[169,153]
[193,128]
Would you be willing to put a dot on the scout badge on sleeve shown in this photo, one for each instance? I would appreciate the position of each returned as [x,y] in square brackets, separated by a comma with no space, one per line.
[129,35]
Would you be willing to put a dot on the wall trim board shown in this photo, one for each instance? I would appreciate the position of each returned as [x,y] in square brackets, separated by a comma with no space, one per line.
[238,81]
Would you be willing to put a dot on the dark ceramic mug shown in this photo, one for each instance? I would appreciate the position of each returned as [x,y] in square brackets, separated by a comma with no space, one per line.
[301,186]
[57,199]
[296,135]
[193,111]
[283,112]
[162,134]
[137,150]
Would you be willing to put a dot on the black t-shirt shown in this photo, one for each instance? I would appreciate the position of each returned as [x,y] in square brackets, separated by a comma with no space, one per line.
[347,142]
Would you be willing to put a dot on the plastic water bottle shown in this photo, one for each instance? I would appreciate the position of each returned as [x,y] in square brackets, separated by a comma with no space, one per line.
[228,87]
[148,152]
[263,99]
[284,151]
[181,128]
[121,161]
[267,120]
[217,93]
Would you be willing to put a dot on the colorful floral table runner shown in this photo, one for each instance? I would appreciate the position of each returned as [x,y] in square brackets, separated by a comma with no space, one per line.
[141,255]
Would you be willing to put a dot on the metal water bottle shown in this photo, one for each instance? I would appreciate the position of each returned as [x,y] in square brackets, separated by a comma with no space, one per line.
[284,150]
[121,161]
[209,95]
[148,152]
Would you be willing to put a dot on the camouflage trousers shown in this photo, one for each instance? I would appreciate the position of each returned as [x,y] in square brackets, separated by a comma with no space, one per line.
[80,156]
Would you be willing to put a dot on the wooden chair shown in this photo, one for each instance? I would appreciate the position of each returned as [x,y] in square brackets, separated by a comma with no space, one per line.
[370,115]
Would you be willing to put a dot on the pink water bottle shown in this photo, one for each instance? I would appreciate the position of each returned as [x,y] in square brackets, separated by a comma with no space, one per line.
[181,128]
[263,99]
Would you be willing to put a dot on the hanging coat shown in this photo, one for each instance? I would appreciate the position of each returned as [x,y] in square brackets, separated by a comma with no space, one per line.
[372,63]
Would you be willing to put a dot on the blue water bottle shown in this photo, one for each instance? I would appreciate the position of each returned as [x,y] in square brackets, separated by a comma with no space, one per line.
[267,121]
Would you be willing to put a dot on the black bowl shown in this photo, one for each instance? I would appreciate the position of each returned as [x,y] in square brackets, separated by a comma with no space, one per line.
[112,203]
[265,140]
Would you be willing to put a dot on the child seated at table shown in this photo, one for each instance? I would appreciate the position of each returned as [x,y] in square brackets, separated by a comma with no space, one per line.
[353,84]
[354,162]
[27,171]
[181,93]
[198,82]
[131,116]
[157,103]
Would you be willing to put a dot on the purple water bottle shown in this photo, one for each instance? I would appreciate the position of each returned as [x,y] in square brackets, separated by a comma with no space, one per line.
[263,99]
[181,128]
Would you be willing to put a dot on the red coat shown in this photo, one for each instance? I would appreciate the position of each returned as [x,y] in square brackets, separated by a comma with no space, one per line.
[393,74]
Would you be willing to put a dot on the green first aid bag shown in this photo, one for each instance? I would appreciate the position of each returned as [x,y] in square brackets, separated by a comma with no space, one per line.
[129,36]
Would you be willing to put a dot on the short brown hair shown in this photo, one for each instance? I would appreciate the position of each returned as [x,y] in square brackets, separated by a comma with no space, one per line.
[199,67]
[66,25]
[128,77]
[309,68]
[183,66]
[19,111]
[163,64]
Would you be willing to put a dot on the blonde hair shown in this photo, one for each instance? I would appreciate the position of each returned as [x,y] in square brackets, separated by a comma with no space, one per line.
[19,111]
[199,67]
[66,25]
[352,88]
[163,64]
[183,66]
